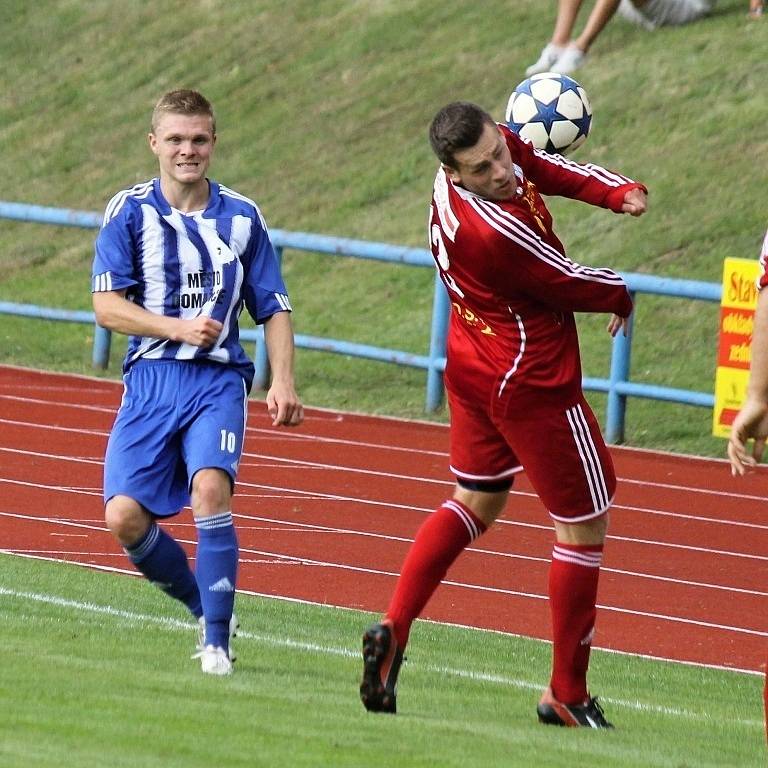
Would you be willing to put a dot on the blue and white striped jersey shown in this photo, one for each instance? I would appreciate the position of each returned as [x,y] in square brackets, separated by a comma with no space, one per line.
[211,262]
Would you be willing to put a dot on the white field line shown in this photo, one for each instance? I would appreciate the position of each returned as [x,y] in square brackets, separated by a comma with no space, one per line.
[387,447]
[138,620]
[307,561]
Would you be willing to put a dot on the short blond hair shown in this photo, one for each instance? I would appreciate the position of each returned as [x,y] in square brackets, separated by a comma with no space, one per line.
[182,102]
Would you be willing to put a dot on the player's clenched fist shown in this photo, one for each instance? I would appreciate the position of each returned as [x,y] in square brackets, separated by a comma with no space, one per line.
[200,331]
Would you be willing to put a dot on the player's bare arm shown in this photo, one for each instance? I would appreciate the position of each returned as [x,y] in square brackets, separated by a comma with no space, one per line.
[283,403]
[117,313]
[752,419]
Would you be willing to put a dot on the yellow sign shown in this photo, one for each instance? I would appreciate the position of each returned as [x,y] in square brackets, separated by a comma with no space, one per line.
[737,312]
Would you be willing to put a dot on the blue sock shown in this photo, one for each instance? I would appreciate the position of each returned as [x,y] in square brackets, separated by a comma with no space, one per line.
[162,560]
[216,573]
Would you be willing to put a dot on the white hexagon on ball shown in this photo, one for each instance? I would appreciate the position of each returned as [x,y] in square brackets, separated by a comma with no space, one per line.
[570,105]
[536,133]
[521,108]
[563,133]
[546,90]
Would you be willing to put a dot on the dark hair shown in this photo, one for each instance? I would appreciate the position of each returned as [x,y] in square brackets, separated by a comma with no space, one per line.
[457,126]
[182,102]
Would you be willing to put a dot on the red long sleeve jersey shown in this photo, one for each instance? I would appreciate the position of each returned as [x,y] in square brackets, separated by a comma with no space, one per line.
[512,335]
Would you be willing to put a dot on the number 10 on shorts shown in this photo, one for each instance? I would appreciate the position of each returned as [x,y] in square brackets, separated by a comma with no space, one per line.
[228,441]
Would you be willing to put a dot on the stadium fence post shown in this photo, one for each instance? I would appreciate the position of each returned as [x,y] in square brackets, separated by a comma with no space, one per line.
[617,402]
[102,341]
[437,342]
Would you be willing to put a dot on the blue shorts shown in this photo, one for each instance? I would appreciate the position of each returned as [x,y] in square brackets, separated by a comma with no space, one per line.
[176,418]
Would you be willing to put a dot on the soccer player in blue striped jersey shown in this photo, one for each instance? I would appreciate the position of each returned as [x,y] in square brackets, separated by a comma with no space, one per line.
[176,260]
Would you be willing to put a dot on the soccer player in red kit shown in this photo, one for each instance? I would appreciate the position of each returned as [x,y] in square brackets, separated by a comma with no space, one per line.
[513,379]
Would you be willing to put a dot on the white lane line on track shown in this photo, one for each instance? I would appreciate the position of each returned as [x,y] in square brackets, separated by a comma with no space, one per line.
[45,554]
[44,487]
[352,443]
[175,624]
[340,468]
[53,456]
[335,468]
[461,585]
[55,428]
[385,447]
[390,505]
[303,527]
[61,404]
[56,389]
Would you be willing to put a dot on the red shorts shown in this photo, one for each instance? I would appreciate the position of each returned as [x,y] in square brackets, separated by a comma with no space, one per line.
[561,450]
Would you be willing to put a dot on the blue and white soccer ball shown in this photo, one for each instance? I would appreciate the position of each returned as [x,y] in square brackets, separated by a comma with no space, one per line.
[551,111]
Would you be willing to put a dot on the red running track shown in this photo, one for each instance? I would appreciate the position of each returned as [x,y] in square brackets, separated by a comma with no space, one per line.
[326,513]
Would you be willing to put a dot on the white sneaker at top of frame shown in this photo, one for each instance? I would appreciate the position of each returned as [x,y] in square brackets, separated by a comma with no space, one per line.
[571,58]
[547,58]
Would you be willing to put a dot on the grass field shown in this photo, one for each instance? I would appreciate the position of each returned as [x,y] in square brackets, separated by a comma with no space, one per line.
[323,107]
[97,672]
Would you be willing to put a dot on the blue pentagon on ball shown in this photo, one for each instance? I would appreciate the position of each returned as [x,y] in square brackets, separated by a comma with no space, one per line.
[550,111]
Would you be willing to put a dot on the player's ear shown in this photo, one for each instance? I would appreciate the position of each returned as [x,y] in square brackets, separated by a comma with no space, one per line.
[152,139]
[451,173]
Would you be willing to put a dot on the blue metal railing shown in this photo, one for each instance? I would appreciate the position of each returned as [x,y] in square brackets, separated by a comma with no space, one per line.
[433,362]
[617,386]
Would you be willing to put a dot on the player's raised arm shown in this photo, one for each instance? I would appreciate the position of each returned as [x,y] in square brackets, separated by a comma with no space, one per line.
[550,115]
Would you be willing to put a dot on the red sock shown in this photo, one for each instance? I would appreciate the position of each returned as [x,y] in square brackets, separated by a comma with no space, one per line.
[439,541]
[573,578]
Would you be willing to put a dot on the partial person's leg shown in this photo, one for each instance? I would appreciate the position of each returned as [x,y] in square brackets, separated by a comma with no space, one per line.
[575,53]
[139,470]
[212,443]
[567,11]
[601,14]
[442,537]
[573,579]
[217,553]
[574,477]
[484,467]
[152,551]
